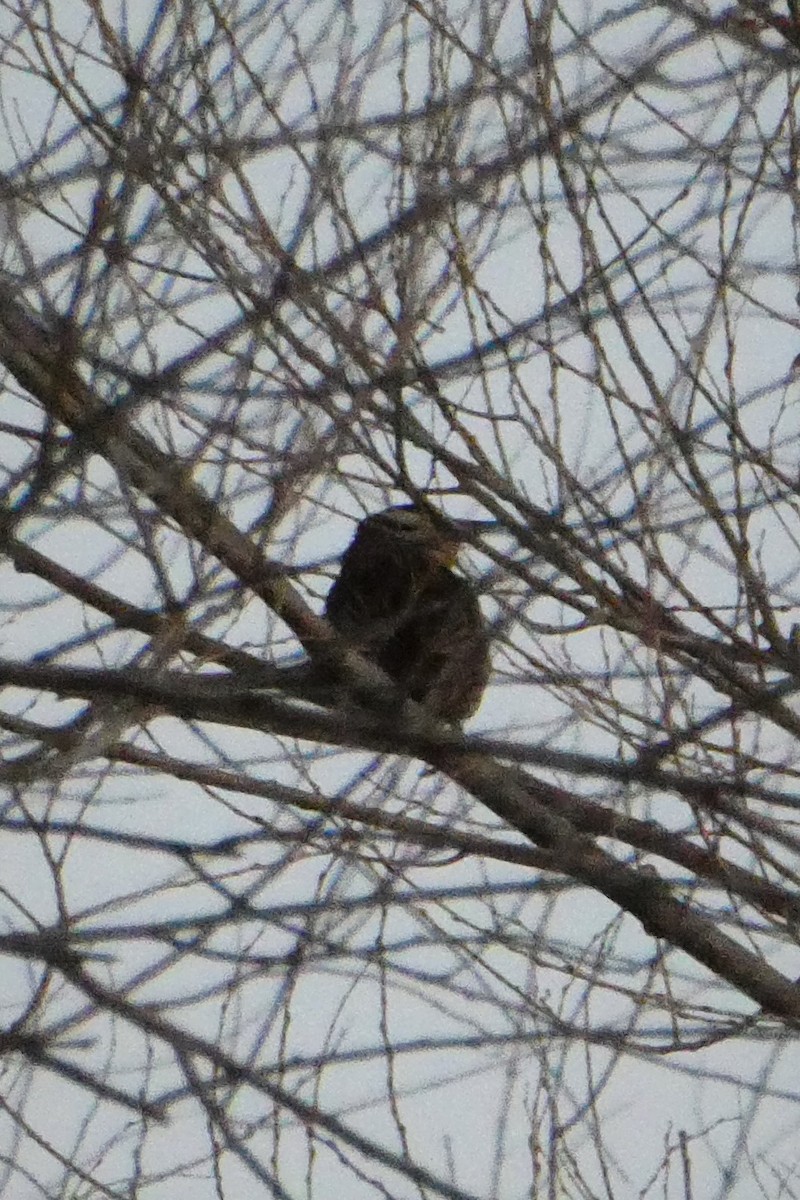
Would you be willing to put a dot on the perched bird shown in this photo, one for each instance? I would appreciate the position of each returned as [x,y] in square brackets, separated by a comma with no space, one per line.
[398,601]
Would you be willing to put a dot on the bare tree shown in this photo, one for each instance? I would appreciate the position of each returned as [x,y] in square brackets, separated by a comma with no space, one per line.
[270,928]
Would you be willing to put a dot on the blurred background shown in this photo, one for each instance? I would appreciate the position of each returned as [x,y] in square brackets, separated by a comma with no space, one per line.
[268,268]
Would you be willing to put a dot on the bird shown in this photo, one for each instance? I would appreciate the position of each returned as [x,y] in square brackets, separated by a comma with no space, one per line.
[398,601]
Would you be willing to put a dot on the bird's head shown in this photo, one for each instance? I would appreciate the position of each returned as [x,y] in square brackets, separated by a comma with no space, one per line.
[421,531]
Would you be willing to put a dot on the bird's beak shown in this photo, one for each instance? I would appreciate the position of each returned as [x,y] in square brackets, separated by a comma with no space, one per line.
[446,552]
[458,532]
